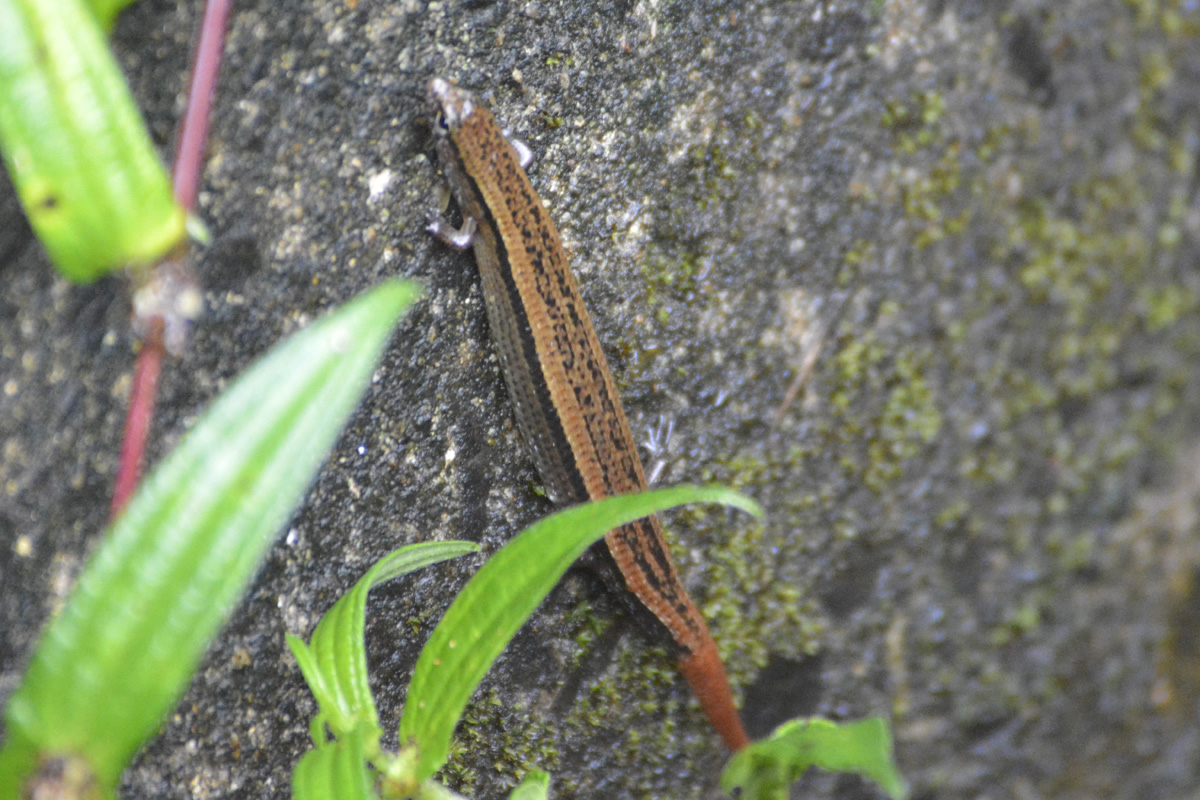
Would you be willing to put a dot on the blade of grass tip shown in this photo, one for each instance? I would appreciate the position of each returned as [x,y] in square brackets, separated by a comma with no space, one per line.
[166,574]
[501,596]
[335,662]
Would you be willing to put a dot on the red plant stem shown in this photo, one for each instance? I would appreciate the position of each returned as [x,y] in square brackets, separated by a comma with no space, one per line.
[193,132]
[189,159]
[140,414]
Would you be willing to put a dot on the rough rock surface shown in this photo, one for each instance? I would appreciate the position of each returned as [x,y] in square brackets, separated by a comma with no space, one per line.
[922,277]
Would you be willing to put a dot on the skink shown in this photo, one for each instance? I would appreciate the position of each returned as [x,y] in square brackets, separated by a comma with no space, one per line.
[562,392]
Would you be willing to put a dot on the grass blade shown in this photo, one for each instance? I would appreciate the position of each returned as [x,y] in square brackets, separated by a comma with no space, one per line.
[501,596]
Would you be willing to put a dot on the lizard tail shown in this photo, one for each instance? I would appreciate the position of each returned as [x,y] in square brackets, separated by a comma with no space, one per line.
[706,676]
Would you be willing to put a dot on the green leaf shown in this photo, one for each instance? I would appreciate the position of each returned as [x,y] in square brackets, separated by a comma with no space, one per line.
[335,661]
[501,596]
[106,11]
[432,790]
[335,771]
[535,786]
[766,769]
[74,142]
[169,570]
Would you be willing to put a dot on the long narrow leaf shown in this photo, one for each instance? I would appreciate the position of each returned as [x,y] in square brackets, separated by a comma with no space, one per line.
[167,573]
[501,596]
[335,661]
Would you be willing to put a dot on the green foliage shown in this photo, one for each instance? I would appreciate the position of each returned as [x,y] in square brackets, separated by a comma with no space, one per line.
[335,770]
[168,571]
[496,602]
[536,786]
[765,770]
[106,11]
[75,145]
[334,663]
[475,630]
[480,622]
